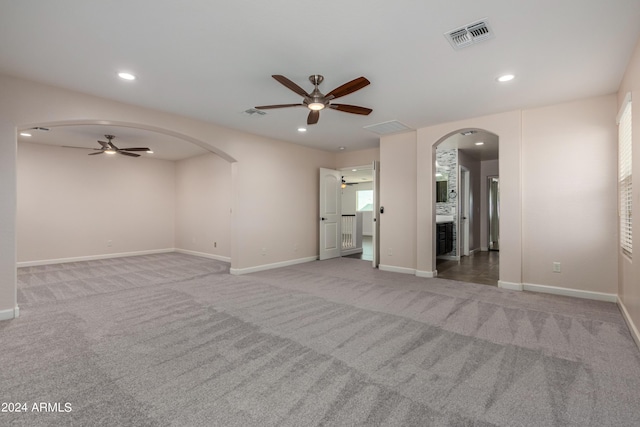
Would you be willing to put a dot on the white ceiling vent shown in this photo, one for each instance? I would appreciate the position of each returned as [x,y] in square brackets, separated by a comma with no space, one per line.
[387,128]
[469,34]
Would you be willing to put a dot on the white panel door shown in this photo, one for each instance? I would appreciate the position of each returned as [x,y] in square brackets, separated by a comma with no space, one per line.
[330,213]
[375,235]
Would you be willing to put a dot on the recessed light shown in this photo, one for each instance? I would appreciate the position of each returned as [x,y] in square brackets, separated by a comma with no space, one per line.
[341,148]
[479,143]
[150,151]
[506,78]
[25,134]
[126,76]
[354,170]
[302,129]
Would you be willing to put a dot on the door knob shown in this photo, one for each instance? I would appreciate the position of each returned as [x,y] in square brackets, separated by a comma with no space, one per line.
[322,218]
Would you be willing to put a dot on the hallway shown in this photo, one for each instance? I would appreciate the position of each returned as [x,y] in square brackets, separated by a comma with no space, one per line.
[480,267]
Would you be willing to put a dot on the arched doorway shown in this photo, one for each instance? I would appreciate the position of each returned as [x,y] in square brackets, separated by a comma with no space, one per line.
[463,160]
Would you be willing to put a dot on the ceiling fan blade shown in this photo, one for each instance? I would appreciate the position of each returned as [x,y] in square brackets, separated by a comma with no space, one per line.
[135,149]
[105,145]
[267,107]
[291,85]
[98,152]
[347,88]
[124,153]
[313,117]
[354,109]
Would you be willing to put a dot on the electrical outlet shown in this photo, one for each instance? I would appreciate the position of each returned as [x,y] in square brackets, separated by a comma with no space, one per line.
[557,268]
[264,251]
[390,252]
[215,244]
[109,242]
[295,247]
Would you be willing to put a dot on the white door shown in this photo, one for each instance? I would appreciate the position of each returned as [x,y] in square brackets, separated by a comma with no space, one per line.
[375,235]
[330,213]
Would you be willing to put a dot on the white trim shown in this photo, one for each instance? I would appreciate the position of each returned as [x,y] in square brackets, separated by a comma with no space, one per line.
[510,285]
[577,293]
[91,257]
[484,249]
[239,271]
[10,313]
[473,251]
[394,269]
[632,327]
[427,274]
[346,252]
[204,255]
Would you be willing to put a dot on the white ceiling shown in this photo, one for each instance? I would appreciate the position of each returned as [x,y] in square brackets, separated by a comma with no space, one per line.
[213,60]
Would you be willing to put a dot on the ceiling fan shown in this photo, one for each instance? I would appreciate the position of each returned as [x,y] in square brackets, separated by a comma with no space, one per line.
[110,148]
[316,101]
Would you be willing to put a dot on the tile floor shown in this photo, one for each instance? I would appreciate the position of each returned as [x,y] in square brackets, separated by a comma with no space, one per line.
[480,267]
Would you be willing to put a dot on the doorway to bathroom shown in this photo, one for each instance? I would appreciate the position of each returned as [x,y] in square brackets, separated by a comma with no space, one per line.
[467,207]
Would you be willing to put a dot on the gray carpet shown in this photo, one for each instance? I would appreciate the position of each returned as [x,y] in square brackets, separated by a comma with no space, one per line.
[172,339]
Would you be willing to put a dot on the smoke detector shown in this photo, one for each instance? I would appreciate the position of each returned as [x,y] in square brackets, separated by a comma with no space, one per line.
[469,34]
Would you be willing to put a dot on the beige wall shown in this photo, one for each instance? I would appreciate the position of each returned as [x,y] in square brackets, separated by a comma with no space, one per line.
[569,195]
[7,219]
[629,279]
[347,158]
[71,205]
[398,197]
[203,205]
[275,206]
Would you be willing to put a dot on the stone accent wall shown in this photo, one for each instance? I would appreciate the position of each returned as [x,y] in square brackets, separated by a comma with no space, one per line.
[448,160]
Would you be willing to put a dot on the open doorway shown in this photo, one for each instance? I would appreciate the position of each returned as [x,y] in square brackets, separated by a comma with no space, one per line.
[358,212]
[464,160]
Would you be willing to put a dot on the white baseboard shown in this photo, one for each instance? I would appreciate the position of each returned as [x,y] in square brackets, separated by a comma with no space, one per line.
[351,251]
[10,313]
[510,285]
[394,269]
[91,257]
[632,327]
[577,293]
[204,255]
[427,274]
[239,271]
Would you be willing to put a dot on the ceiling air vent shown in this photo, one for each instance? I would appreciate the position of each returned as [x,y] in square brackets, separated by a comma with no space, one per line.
[469,34]
[387,128]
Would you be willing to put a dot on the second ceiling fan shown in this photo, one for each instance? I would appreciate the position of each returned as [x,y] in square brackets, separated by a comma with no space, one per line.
[317,101]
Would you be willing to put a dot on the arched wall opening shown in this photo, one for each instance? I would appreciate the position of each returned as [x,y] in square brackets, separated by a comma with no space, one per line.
[508,126]
[463,160]
[115,228]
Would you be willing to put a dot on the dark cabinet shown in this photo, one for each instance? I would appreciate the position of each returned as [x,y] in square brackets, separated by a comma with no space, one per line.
[444,238]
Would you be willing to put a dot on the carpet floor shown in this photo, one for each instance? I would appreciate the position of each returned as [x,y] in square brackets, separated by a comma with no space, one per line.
[172,339]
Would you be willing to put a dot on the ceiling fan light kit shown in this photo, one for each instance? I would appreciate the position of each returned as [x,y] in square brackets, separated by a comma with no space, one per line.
[317,101]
